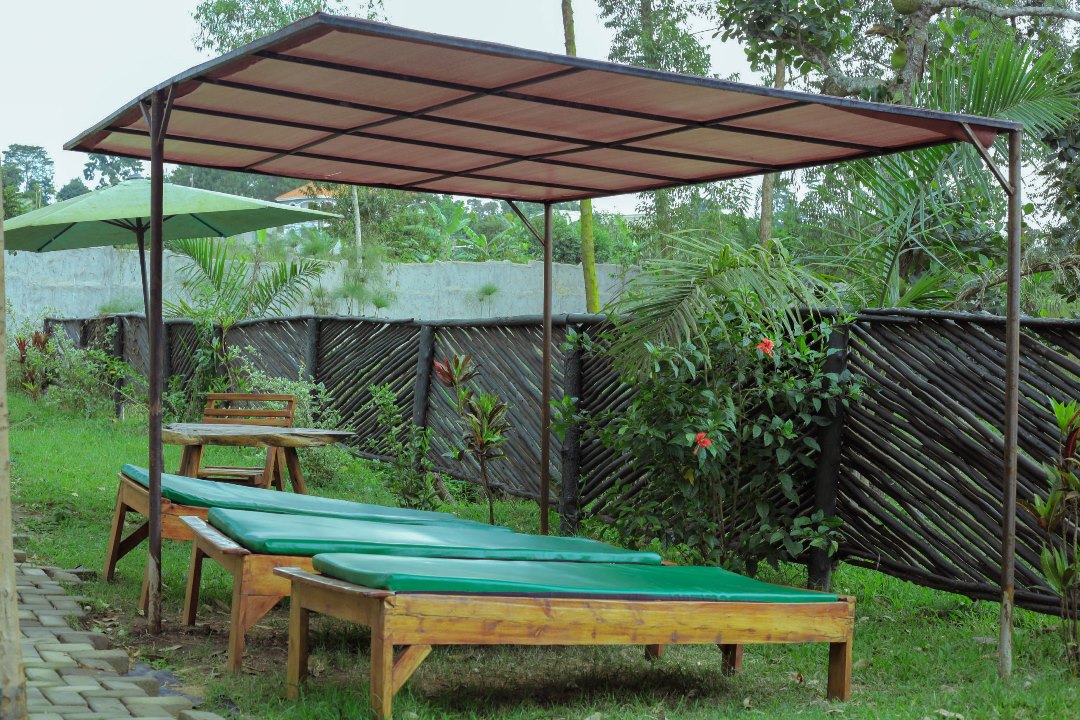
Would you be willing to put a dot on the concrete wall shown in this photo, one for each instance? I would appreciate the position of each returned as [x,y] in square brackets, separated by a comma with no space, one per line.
[84,283]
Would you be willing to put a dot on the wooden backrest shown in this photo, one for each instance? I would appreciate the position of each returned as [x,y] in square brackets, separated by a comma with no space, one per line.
[250,409]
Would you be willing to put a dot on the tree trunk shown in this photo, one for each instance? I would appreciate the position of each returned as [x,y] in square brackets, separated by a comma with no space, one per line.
[356,227]
[12,677]
[588,241]
[768,183]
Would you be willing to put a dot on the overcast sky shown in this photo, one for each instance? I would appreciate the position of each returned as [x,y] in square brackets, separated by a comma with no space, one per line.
[66,64]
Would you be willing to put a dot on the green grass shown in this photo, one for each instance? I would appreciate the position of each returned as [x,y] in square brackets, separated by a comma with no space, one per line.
[919,653]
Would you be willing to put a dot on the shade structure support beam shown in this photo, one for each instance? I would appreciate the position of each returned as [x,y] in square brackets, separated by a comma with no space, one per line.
[160,105]
[1012,408]
[1006,184]
[545,390]
[528,223]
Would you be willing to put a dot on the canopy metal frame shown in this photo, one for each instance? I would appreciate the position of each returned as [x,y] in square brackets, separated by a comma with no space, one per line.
[157,104]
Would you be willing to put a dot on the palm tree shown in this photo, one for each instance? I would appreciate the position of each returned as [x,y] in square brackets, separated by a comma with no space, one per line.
[915,222]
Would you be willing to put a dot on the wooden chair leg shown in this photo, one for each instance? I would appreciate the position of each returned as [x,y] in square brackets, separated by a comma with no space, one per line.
[112,552]
[292,462]
[732,662]
[654,652]
[279,469]
[839,687]
[194,580]
[382,673]
[297,667]
[406,663]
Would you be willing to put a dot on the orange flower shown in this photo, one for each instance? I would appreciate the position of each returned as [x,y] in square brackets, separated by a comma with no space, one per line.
[701,440]
[766,346]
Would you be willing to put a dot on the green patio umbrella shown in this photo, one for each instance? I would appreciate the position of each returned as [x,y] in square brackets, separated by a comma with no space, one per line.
[122,214]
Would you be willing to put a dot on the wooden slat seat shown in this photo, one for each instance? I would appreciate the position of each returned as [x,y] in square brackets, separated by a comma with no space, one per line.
[237,409]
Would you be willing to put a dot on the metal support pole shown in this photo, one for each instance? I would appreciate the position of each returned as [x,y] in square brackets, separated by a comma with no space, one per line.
[159,106]
[1012,396]
[545,393]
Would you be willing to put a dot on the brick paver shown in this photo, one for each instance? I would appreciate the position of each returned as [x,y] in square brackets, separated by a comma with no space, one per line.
[77,675]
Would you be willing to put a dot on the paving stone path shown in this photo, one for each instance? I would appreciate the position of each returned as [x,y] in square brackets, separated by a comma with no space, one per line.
[76,675]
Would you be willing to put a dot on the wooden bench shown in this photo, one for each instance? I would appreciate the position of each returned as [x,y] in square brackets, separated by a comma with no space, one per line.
[247,409]
[415,621]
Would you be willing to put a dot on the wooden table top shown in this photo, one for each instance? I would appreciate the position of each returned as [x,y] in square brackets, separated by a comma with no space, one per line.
[249,435]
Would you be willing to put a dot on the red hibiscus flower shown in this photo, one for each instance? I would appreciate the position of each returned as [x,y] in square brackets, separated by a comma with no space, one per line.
[701,440]
[766,346]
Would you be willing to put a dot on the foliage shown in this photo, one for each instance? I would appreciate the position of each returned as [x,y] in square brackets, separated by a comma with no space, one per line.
[912,229]
[314,408]
[112,170]
[261,187]
[796,31]
[411,477]
[13,201]
[1058,517]
[222,291]
[29,169]
[710,285]
[483,417]
[654,34]
[73,189]
[87,381]
[725,425]
[225,25]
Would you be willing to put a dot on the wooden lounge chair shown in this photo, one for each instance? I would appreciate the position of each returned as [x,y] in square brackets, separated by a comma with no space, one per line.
[249,545]
[415,603]
[190,497]
[248,409]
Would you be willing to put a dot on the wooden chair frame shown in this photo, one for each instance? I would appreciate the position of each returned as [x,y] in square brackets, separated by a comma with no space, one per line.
[256,589]
[271,473]
[131,497]
[417,621]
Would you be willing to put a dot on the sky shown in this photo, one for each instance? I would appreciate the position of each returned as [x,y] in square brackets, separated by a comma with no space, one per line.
[67,64]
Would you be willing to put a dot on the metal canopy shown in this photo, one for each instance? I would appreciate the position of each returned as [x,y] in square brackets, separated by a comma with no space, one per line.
[353,101]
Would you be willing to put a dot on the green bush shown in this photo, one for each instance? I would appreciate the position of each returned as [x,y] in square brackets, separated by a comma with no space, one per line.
[87,381]
[725,428]
[409,472]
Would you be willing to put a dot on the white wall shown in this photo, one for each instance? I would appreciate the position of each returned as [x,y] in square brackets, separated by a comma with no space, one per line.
[83,283]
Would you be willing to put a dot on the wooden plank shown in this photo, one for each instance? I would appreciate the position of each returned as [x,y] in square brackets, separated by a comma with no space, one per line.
[482,620]
[209,535]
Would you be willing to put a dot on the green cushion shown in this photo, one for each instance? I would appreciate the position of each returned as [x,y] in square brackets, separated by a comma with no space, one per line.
[290,535]
[208,493]
[508,577]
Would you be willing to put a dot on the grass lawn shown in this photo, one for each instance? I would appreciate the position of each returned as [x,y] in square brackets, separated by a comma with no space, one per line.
[918,653]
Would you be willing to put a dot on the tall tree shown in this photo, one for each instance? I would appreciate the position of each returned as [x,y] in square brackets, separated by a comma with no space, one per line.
[12,675]
[111,170]
[33,172]
[655,34]
[14,203]
[225,25]
[74,188]
[588,239]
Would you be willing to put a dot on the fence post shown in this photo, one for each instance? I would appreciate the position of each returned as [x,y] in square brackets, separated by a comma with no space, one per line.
[118,353]
[570,486]
[828,470]
[424,359]
[311,356]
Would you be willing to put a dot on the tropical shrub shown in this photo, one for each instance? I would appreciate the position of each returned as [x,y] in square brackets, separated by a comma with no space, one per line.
[411,477]
[483,417]
[1058,517]
[726,358]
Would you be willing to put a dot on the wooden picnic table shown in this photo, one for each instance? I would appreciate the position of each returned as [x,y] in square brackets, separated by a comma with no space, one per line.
[196,436]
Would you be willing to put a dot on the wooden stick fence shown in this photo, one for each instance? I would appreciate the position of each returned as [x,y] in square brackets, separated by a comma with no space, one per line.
[914,470]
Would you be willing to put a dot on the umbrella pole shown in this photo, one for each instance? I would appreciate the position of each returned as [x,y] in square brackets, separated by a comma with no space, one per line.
[160,103]
[545,393]
[140,234]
